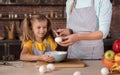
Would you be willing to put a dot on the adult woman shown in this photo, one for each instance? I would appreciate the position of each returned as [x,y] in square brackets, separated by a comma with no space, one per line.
[90,22]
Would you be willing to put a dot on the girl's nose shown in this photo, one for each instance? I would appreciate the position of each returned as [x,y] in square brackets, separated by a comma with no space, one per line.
[42,30]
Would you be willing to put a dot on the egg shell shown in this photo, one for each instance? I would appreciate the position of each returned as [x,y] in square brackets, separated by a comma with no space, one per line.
[104,71]
[77,73]
[42,69]
[50,67]
[58,39]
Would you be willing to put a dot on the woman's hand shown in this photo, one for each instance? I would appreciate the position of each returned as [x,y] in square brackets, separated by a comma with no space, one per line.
[64,32]
[69,40]
[47,58]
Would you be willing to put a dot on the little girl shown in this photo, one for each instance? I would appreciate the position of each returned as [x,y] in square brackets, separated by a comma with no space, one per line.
[37,39]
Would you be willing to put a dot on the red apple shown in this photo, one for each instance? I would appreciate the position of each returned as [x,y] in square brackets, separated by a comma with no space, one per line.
[117,58]
[116,46]
[107,63]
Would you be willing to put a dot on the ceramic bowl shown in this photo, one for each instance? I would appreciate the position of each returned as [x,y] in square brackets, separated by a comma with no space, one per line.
[58,55]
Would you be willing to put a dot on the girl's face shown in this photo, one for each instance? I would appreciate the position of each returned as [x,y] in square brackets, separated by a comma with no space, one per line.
[39,28]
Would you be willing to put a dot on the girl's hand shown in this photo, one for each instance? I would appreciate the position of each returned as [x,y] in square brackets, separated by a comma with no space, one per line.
[69,40]
[64,32]
[47,58]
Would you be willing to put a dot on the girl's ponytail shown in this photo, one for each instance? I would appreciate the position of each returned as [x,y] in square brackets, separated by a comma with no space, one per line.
[27,31]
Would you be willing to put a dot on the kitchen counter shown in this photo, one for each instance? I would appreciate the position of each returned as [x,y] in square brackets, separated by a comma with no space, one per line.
[29,68]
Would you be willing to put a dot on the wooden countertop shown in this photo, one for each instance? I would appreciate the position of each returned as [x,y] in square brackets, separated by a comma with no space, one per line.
[29,68]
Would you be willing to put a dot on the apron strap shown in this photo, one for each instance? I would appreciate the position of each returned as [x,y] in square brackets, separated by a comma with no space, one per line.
[92,2]
[72,6]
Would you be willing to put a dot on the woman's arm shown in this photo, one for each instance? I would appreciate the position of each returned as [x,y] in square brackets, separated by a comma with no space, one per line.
[104,17]
[71,39]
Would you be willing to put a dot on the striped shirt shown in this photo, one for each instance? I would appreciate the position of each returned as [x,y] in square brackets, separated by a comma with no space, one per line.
[103,10]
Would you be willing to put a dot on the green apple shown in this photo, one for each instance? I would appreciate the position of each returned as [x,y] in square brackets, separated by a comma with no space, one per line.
[109,55]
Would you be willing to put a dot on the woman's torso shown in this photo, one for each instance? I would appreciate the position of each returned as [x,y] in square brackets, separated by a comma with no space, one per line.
[83,20]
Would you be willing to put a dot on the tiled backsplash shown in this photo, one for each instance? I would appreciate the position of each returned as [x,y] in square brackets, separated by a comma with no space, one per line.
[115,23]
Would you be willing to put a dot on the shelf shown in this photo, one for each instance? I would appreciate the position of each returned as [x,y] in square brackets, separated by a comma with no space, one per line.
[31,4]
[52,4]
[18,4]
[58,18]
[23,18]
[11,18]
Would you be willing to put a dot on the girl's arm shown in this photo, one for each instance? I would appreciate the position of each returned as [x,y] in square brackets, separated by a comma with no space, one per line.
[26,56]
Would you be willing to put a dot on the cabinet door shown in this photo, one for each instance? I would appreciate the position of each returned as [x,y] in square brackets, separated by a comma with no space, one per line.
[14,50]
[2,51]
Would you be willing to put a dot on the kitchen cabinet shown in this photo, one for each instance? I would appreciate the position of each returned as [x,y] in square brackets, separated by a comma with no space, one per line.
[10,49]
[108,43]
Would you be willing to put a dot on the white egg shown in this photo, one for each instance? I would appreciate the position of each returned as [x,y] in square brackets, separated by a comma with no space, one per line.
[77,73]
[58,39]
[104,71]
[50,67]
[42,69]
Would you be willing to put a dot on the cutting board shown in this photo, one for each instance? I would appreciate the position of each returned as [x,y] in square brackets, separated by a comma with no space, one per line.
[69,63]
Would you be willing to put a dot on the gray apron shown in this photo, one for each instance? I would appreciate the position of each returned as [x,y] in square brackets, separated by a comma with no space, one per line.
[81,21]
[38,52]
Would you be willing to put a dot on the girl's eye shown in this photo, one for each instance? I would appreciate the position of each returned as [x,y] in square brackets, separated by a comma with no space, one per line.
[38,27]
[44,27]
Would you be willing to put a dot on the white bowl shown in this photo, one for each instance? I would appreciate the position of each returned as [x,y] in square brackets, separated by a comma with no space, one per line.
[58,55]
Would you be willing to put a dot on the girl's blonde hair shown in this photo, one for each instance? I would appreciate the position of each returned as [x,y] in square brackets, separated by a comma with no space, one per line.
[27,27]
